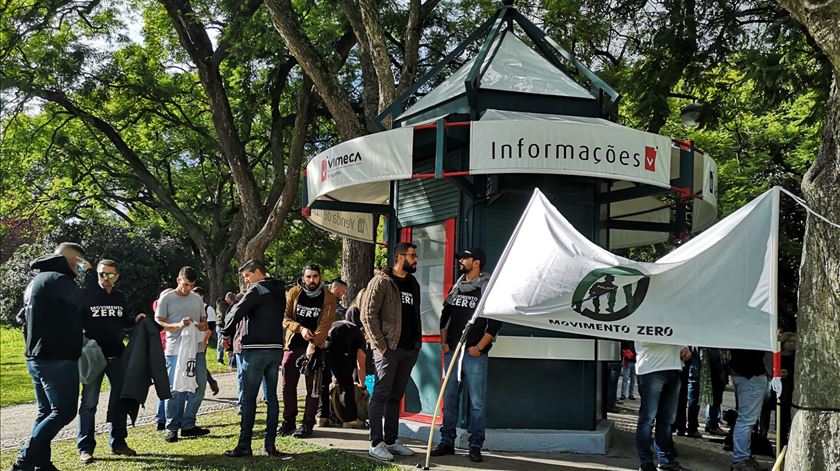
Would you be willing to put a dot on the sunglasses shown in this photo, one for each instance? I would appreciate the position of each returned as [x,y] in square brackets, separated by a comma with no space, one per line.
[108,276]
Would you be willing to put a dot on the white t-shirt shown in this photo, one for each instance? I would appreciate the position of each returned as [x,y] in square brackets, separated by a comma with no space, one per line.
[652,357]
[211,313]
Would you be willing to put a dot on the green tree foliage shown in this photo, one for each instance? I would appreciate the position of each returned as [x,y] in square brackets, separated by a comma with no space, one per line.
[148,259]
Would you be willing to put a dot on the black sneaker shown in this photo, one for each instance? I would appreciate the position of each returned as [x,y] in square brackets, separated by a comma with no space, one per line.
[49,467]
[171,436]
[195,432]
[161,426]
[286,429]
[647,467]
[475,455]
[443,449]
[303,431]
[238,452]
[273,451]
[672,466]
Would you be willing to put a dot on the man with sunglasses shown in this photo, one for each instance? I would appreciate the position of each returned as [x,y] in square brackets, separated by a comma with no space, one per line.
[390,315]
[106,320]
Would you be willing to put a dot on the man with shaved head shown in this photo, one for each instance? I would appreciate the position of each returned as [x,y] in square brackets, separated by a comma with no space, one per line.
[53,331]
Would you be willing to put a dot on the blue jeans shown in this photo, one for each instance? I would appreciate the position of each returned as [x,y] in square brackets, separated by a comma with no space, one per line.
[690,396]
[182,408]
[612,384]
[86,441]
[749,393]
[628,379]
[56,385]
[659,392]
[474,378]
[220,351]
[259,366]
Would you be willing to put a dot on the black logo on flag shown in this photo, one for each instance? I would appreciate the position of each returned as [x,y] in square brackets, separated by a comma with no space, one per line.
[600,298]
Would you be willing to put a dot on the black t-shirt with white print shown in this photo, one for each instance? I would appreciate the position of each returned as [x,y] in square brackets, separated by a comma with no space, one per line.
[407,335]
[307,313]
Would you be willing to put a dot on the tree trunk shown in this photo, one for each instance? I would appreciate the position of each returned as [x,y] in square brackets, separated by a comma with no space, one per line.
[356,265]
[815,434]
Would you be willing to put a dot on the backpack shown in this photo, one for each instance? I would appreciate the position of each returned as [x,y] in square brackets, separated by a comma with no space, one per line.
[362,398]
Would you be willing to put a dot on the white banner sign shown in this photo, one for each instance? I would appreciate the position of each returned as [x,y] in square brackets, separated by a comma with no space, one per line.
[358,226]
[718,290]
[570,148]
[377,157]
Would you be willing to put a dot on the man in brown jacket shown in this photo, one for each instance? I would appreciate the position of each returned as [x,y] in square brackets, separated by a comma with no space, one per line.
[390,315]
[310,311]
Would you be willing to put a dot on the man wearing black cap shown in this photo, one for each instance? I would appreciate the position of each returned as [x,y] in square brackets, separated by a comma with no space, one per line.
[457,310]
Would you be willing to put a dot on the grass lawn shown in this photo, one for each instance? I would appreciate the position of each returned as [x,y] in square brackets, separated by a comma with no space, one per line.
[205,453]
[15,383]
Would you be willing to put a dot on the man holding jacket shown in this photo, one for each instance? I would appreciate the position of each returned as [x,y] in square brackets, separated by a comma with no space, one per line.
[262,351]
[390,315]
[106,320]
[310,311]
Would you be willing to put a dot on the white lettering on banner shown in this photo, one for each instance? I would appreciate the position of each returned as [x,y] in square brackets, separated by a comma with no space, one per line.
[407,298]
[308,312]
[717,290]
[542,146]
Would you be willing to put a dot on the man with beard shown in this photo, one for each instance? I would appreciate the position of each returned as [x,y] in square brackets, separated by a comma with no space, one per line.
[310,311]
[390,315]
[262,350]
[457,310]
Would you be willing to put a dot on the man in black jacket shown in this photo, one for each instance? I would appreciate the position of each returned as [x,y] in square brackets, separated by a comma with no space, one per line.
[458,309]
[106,320]
[53,332]
[262,309]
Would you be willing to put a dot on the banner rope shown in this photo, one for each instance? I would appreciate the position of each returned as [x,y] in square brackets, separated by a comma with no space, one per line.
[802,203]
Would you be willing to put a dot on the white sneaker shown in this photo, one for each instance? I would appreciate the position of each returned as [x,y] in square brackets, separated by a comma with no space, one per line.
[380,452]
[399,449]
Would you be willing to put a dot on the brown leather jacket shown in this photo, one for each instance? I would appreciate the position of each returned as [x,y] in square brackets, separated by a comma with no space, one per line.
[293,327]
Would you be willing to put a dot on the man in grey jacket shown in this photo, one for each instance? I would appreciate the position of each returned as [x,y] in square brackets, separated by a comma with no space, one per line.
[390,315]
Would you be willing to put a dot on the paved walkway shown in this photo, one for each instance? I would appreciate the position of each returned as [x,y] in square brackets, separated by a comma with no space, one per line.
[695,454]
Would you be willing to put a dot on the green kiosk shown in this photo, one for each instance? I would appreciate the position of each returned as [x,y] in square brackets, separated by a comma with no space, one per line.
[456,170]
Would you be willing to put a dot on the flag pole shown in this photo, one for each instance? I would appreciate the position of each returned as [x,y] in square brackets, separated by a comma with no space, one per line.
[452,362]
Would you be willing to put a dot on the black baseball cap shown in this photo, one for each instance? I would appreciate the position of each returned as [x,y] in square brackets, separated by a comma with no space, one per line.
[475,253]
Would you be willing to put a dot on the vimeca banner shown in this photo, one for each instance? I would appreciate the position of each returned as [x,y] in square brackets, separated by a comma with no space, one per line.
[717,290]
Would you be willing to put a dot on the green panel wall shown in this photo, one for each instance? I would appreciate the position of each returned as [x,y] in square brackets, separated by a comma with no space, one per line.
[424,386]
[427,200]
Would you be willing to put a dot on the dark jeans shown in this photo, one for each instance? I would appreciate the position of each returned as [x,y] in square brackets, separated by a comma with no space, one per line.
[86,441]
[393,371]
[56,385]
[258,365]
[612,385]
[291,376]
[474,380]
[689,396]
[659,392]
[342,368]
[717,374]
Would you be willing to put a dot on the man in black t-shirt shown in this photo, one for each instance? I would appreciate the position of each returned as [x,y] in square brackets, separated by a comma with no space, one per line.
[458,309]
[105,319]
[310,311]
[390,315]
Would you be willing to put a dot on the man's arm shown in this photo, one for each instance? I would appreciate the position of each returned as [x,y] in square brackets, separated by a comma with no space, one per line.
[324,324]
[289,322]
[237,312]
[163,313]
[361,360]
[371,303]
[445,315]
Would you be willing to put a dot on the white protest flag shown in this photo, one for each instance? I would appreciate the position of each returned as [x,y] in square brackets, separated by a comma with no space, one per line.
[718,290]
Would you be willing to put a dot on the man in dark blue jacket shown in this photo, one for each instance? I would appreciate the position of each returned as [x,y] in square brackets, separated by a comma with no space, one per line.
[262,309]
[53,332]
